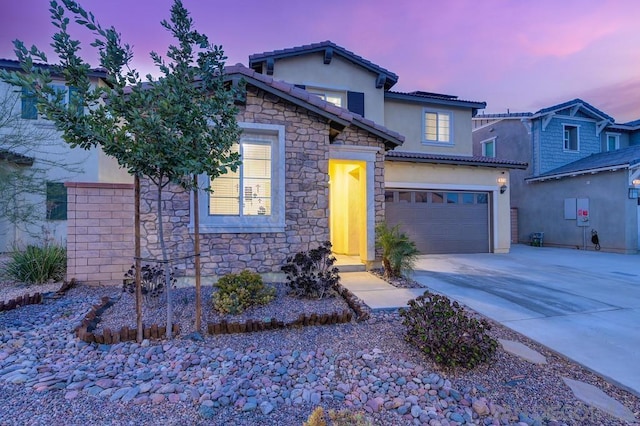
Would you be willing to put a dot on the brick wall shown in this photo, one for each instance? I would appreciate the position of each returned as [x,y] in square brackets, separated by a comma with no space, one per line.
[514,225]
[100,233]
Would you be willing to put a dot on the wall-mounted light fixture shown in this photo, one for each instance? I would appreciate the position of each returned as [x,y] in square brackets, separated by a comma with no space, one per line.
[502,182]
[635,182]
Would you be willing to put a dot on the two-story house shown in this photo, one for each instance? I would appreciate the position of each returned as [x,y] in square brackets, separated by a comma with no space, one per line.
[329,152]
[35,163]
[582,176]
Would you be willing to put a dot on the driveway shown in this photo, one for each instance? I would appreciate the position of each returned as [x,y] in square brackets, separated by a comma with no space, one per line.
[582,304]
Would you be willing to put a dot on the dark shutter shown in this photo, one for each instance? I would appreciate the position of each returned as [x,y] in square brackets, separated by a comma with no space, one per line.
[29,110]
[355,102]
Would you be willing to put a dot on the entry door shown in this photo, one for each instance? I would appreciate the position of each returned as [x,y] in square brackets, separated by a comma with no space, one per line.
[347,207]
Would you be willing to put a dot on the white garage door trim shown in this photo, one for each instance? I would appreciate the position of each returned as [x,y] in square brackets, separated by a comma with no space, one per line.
[429,186]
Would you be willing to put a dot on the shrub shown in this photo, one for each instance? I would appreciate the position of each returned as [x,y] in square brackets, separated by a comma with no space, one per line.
[151,279]
[38,264]
[399,253]
[446,333]
[312,274]
[343,417]
[237,292]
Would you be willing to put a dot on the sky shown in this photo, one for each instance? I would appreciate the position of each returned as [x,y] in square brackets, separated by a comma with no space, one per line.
[515,55]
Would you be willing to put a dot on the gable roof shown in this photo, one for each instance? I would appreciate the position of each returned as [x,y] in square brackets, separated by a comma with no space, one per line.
[386,78]
[15,158]
[603,161]
[339,117]
[459,160]
[577,103]
[434,98]
[15,65]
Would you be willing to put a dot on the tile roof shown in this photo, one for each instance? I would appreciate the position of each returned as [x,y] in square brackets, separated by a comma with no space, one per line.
[460,160]
[624,157]
[438,98]
[593,110]
[258,58]
[15,65]
[15,158]
[633,123]
[503,115]
[309,101]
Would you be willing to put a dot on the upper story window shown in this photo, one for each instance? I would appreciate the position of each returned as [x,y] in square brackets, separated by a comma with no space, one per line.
[613,141]
[437,126]
[489,147]
[251,199]
[570,137]
[69,96]
[332,96]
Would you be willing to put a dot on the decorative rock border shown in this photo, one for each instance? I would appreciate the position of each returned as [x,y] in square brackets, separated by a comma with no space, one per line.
[36,298]
[85,333]
[27,299]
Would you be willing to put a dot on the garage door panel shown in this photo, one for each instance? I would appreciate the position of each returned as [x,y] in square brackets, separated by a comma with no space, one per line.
[443,227]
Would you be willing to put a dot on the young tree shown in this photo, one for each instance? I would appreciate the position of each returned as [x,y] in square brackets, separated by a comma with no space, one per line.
[167,130]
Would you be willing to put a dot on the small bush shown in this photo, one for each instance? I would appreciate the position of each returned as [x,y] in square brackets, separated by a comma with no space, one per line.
[445,332]
[237,292]
[38,264]
[151,280]
[312,274]
[343,417]
[316,418]
[399,253]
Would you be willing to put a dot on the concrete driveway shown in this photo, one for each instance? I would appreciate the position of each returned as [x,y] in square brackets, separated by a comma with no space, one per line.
[582,304]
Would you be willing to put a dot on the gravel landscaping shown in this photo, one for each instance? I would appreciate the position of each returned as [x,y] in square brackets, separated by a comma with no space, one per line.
[273,377]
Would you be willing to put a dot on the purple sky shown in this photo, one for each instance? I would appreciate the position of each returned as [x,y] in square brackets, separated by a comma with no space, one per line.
[513,54]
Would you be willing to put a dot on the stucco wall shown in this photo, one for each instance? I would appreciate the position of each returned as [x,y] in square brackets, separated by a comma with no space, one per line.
[407,119]
[432,176]
[612,213]
[340,75]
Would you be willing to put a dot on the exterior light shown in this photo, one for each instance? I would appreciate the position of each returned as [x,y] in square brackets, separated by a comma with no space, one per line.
[502,182]
[635,182]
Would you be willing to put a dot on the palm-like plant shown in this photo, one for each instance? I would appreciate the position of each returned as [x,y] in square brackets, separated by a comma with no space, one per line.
[399,253]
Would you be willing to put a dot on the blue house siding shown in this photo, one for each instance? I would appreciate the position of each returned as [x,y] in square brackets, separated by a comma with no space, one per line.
[551,145]
[634,138]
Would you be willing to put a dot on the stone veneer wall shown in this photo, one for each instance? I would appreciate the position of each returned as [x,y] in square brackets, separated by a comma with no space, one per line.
[306,198]
[100,233]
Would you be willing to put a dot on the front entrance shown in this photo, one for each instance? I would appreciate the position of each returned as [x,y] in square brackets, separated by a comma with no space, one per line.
[347,205]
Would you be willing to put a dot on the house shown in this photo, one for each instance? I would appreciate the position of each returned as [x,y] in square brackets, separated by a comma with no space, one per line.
[582,173]
[329,153]
[31,150]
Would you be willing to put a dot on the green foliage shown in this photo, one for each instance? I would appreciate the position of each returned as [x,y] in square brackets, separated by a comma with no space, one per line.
[445,332]
[399,253]
[38,264]
[343,417]
[237,292]
[312,274]
[316,418]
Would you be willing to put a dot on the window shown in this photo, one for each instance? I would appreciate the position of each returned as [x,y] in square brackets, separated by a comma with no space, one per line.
[570,137]
[56,201]
[29,110]
[613,141]
[437,126]
[70,96]
[251,199]
[332,96]
[452,197]
[489,147]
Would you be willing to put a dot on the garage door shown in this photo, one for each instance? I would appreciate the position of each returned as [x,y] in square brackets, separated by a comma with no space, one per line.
[441,222]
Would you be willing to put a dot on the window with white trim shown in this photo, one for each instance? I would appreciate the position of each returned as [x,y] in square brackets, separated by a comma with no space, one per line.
[613,141]
[251,199]
[570,137]
[437,126]
[489,147]
[332,96]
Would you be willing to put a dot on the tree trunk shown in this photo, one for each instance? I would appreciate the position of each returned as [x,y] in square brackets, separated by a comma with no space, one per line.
[165,261]
[196,222]
[138,261]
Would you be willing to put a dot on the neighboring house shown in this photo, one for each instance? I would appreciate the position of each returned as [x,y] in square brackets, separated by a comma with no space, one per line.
[29,144]
[582,168]
[329,153]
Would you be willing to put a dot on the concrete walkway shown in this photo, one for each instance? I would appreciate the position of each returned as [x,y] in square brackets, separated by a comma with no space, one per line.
[377,293]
